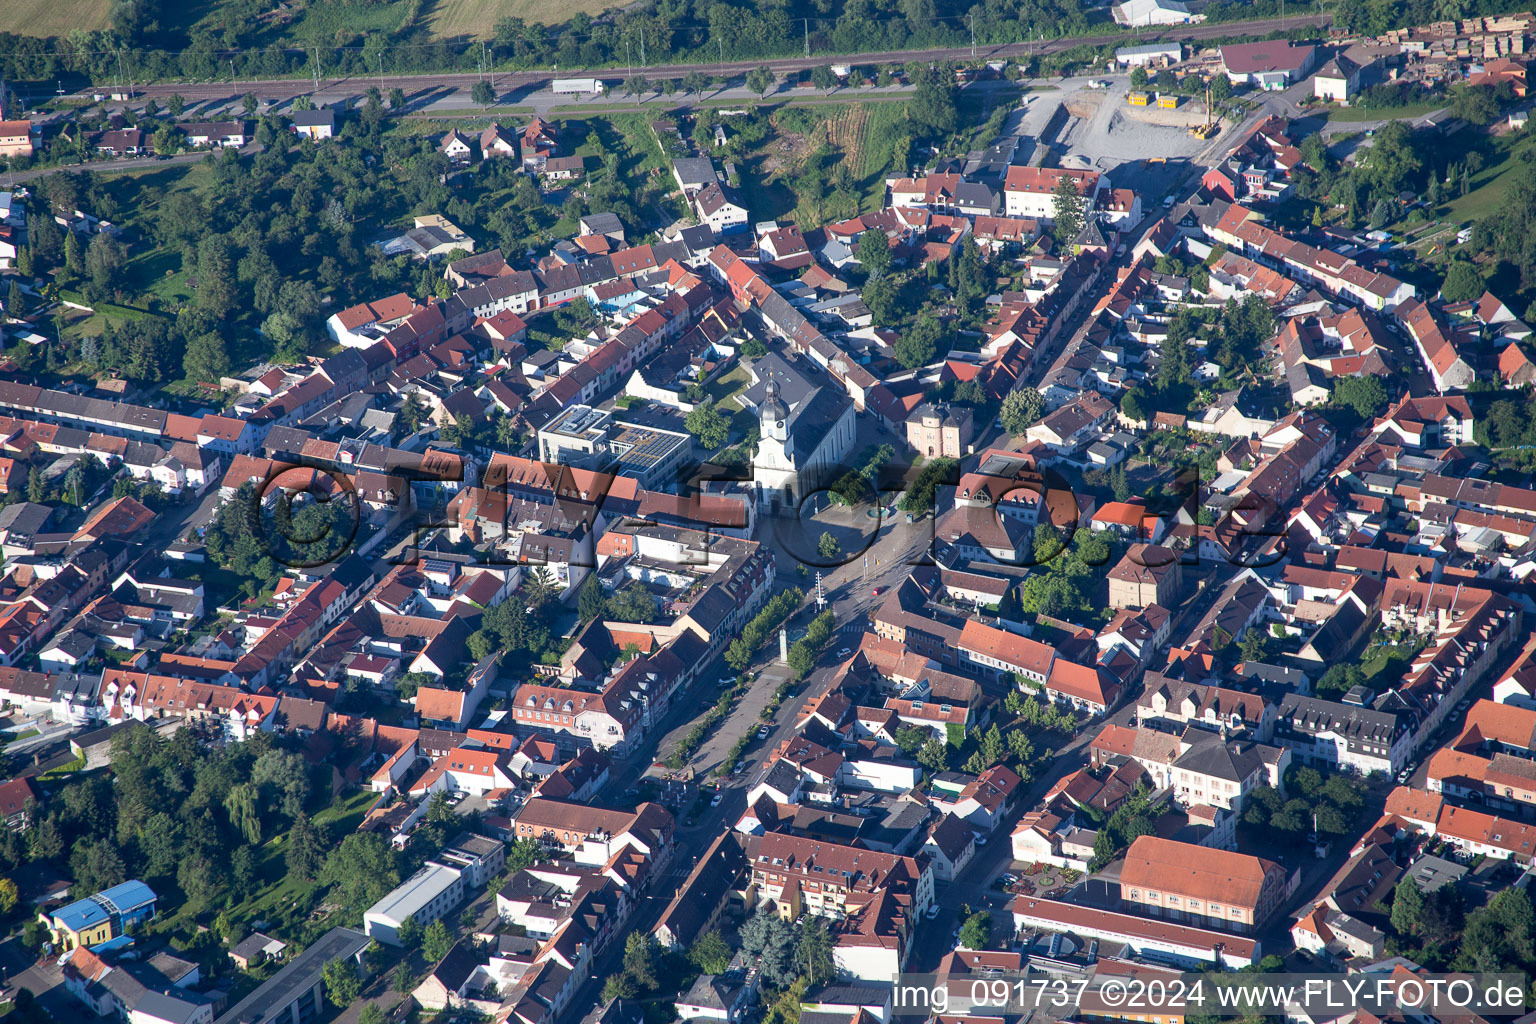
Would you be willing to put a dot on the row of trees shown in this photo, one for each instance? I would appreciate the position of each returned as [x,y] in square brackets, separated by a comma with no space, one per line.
[803,652]
[761,627]
[231,39]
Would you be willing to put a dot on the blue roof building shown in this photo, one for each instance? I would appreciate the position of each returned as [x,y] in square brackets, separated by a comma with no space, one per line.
[106,915]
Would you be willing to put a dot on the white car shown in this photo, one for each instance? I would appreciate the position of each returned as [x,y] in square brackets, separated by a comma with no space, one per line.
[1168,202]
[762,733]
[933,912]
[843,652]
[716,801]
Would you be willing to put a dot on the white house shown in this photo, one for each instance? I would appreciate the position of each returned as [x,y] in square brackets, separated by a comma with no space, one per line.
[718,207]
[1030,192]
[427,895]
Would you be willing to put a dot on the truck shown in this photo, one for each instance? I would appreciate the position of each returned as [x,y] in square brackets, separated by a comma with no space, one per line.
[572,86]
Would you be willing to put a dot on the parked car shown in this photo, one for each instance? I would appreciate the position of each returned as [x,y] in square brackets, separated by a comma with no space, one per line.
[763,732]
[717,798]
[933,912]
[877,591]
[843,652]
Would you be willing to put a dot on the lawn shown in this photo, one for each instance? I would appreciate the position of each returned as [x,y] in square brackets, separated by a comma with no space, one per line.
[1354,114]
[477,18]
[723,390]
[50,18]
[1491,183]
[276,897]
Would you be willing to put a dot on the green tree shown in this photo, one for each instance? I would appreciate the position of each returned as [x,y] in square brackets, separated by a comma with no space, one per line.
[922,495]
[933,106]
[1138,78]
[813,951]
[710,953]
[242,804]
[371,1014]
[918,345]
[1021,409]
[96,865]
[873,252]
[1136,404]
[1067,206]
[306,849]
[707,424]
[590,599]
[910,739]
[481,93]
[74,254]
[976,933]
[1221,87]
[1254,644]
[435,941]
[396,98]
[632,604]
[823,78]
[1474,104]
[642,959]
[1365,395]
[176,104]
[37,490]
[409,933]
[827,545]
[695,81]
[343,984]
[9,896]
[1462,282]
[360,870]
[104,261]
[934,755]
[207,359]
[760,80]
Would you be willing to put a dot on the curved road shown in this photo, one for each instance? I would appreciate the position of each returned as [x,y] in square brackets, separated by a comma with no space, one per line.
[288,88]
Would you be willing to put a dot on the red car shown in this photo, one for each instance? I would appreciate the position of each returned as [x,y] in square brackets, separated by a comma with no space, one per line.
[876,592]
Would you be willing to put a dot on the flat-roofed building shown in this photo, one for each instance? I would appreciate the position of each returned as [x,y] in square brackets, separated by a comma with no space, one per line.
[296,994]
[431,892]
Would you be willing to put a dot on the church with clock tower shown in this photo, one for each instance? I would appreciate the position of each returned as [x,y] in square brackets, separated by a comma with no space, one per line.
[800,449]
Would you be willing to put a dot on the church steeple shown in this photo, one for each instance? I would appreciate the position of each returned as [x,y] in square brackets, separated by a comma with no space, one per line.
[775,414]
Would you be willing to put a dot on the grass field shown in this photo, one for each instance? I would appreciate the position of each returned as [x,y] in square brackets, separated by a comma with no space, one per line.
[1410,110]
[477,18]
[1490,183]
[51,18]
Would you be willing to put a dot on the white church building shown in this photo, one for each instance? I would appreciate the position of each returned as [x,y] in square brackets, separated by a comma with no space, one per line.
[803,448]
